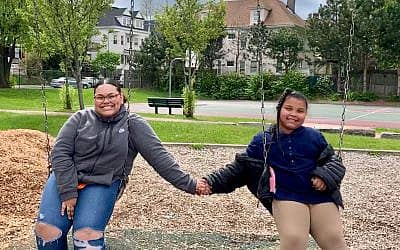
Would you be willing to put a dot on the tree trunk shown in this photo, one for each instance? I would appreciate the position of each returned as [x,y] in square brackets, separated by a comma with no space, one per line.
[398,81]
[5,66]
[365,72]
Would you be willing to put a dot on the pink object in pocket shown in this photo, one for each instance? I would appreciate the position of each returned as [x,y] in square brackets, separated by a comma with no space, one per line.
[272,183]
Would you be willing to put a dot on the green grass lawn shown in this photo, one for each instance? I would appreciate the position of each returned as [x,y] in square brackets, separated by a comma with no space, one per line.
[31,99]
[194,132]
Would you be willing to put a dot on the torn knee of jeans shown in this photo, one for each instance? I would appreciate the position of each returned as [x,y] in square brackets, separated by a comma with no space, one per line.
[47,232]
[88,234]
[87,238]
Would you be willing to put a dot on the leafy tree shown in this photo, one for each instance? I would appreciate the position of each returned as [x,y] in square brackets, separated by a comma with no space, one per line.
[189,26]
[105,63]
[365,37]
[328,34]
[70,25]
[285,44]
[13,29]
[258,42]
[152,57]
[212,52]
[389,36]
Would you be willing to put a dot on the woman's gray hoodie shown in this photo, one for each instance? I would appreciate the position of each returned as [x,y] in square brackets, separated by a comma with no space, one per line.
[91,149]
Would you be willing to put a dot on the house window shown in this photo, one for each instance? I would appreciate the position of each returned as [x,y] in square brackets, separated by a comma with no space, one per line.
[242,67]
[122,40]
[122,59]
[139,24]
[230,63]
[256,15]
[253,67]
[135,41]
[127,38]
[243,42]
[115,39]
[231,36]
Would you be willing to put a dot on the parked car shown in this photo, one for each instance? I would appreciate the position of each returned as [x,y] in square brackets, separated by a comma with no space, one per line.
[91,81]
[59,82]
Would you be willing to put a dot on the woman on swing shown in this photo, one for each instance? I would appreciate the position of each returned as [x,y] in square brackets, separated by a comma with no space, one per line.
[299,181]
[91,160]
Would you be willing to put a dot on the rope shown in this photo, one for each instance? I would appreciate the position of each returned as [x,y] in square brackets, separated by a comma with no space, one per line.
[346,84]
[42,88]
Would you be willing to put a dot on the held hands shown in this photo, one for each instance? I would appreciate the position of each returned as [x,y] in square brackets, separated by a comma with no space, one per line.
[202,187]
[69,205]
[318,183]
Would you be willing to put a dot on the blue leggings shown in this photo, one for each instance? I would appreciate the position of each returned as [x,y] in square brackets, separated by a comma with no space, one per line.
[93,210]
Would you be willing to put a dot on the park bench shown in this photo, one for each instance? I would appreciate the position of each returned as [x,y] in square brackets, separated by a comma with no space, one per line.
[171,102]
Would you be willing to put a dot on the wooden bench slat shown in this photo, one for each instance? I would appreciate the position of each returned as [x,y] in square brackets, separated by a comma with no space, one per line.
[170,102]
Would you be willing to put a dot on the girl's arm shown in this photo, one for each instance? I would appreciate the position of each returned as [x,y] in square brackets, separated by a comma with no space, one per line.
[330,169]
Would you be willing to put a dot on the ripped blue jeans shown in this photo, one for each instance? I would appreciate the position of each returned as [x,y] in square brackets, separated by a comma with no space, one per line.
[93,210]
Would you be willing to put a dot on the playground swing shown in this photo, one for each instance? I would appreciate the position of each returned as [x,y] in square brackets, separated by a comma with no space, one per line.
[344,103]
[43,83]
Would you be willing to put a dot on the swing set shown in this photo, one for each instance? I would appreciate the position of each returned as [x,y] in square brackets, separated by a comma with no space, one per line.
[130,84]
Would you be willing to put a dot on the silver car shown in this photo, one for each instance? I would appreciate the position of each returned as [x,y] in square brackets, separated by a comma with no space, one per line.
[59,82]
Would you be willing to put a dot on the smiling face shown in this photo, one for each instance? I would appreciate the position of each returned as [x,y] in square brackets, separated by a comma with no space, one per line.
[107,100]
[292,115]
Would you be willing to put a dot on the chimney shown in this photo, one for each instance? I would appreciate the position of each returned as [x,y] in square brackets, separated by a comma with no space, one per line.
[291,4]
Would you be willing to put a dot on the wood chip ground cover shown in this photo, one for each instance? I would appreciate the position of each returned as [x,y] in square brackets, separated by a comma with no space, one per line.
[154,215]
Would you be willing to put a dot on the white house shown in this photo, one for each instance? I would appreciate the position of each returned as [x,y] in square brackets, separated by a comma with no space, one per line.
[114,34]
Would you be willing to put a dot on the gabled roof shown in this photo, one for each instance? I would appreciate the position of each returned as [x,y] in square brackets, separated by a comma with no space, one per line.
[110,17]
[238,13]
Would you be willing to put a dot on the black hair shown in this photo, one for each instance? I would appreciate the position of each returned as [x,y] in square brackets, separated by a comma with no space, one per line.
[287,93]
[111,82]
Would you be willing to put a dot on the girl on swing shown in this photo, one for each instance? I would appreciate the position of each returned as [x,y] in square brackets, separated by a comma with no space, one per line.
[298,182]
[91,160]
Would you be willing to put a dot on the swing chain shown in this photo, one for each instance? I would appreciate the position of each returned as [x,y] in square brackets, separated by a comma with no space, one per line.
[42,88]
[346,83]
[130,74]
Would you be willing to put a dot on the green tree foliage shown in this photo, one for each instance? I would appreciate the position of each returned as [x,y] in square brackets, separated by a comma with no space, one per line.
[389,36]
[68,27]
[328,34]
[189,25]
[152,57]
[285,44]
[13,29]
[106,63]
[258,42]
[365,36]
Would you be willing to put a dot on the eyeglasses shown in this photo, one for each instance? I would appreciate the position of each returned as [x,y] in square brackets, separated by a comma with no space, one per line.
[111,98]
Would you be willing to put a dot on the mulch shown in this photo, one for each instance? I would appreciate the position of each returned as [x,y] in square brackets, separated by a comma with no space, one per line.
[371,191]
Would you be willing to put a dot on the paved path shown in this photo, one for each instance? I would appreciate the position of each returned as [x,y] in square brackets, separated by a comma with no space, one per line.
[329,114]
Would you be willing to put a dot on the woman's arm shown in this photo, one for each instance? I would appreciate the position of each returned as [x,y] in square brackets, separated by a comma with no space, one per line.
[146,142]
[62,159]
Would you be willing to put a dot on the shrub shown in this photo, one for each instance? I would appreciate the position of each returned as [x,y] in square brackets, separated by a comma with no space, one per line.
[67,95]
[232,86]
[254,86]
[294,80]
[363,97]
[320,86]
[207,83]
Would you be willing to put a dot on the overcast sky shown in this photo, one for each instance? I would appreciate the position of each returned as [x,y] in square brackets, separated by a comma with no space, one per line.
[303,7]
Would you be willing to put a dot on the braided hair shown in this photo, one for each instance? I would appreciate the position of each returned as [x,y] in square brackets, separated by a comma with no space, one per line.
[286,94]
